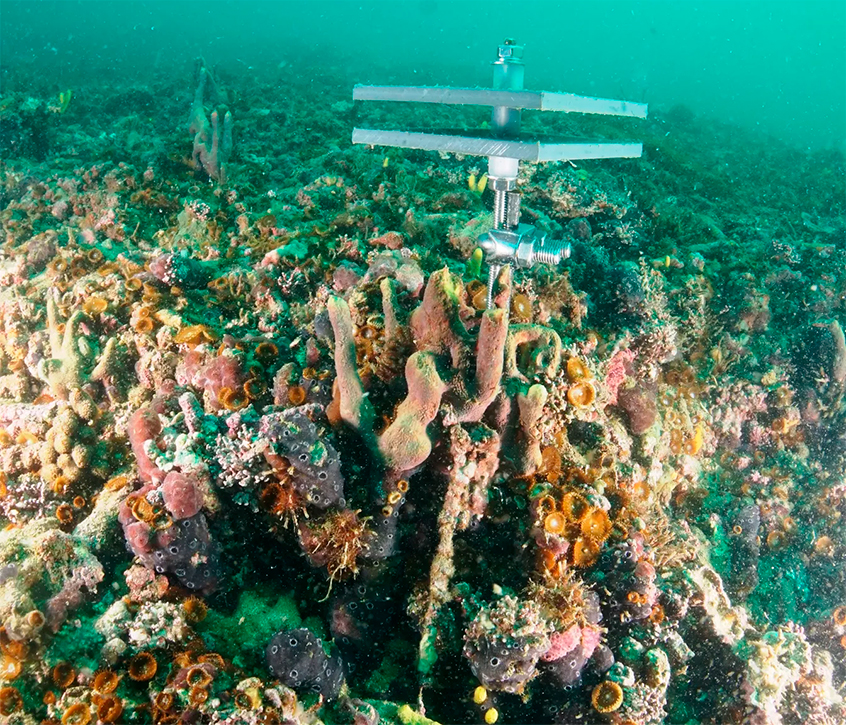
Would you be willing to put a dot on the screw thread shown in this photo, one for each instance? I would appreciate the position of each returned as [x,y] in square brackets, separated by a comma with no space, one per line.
[500,210]
[552,253]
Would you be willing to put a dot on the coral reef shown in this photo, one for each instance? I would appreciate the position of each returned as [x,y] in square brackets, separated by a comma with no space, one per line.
[267,455]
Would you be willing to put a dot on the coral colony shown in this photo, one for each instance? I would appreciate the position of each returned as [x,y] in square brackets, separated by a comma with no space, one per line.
[296,431]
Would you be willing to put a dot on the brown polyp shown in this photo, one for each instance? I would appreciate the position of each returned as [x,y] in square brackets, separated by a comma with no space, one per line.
[144,325]
[163,701]
[776,539]
[607,697]
[64,512]
[387,511]
[233,399]
[110,709]
[105,682]
[402,485]
[49,698]
[197,677]
[656,616]
[574,506]
[63,675]
[296,395]
[94,305]
[35,619]
[581,394]
[25,437]
[243,701]
[10,700]
[480,299]
[585,552]
[60,484]
[78,502]
[197,696]
[213,659]
[195,609]
[633,597]
[10,667]
[368,332]
[77,714]
[13,647]
[394,497]
[555,523]
[142,667]
[596,525]
[551,460]
[577,370]
[676,441]
[266,350]
[824,545]
[106,269]
[838,616]
[116,483]
[521,307]
[254,388]
[269,717]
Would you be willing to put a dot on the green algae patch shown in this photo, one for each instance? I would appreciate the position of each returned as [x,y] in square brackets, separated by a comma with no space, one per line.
[246,632]
[407,716]
[392,712]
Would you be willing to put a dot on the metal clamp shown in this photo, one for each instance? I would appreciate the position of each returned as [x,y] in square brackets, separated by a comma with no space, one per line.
[524,247]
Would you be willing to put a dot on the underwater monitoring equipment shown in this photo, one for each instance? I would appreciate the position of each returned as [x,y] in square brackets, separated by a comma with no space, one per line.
[509,241]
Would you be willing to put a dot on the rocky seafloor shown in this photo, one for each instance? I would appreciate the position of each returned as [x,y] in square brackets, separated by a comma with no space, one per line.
[267,458]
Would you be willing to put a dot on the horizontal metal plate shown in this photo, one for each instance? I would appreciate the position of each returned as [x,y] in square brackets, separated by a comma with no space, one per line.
[523,150]
[532,100]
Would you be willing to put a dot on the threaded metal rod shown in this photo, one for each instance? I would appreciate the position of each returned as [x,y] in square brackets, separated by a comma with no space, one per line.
[500,208]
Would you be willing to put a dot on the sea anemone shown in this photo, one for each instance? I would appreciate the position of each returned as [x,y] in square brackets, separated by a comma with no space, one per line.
[607,697]
[143,667]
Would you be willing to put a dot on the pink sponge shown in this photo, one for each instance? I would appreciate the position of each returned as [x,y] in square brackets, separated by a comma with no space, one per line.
[144,425]
[182,496]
